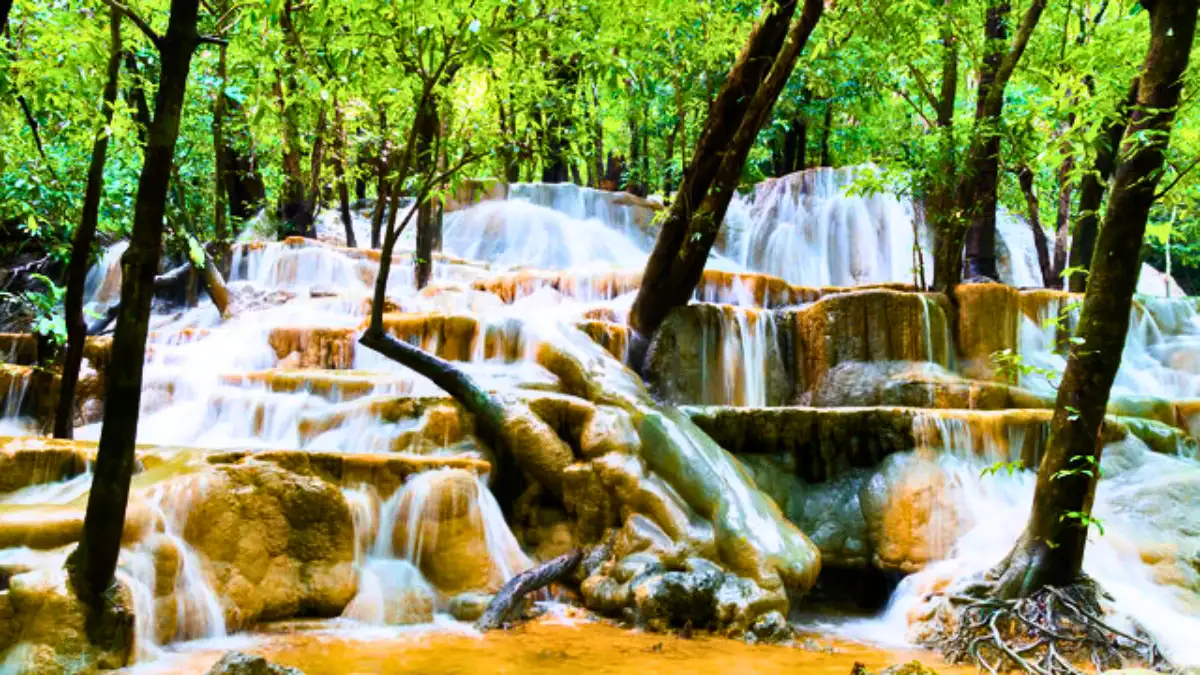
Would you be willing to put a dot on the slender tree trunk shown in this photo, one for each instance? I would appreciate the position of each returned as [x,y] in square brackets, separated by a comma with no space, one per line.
[381,190]
[339,167]
[94,561]
[426,216]
[940,200]
[1025,178]
[5,8]
[635,182]
[1050,553]
[597,136]
[85,237]
[318,156]
[1091,192]
[826,130]
[981,237]
[220,154]
[741,108]
[973,181]
[1062,220]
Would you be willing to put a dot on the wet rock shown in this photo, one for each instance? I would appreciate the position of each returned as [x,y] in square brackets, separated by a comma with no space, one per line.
[675,598]
[469,606]
[740,603]
[44,627]
[771,627]
[910,668]
[440,522]
[868,325]
[33,462]
[278,544]
[697,356]
[241,663]
[908,506]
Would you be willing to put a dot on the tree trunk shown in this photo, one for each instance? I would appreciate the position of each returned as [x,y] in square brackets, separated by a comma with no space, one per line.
[1050,553]
[5,8]
[940,198]
[1025,178]
[1091,192]
[94,561]
[981,237]
[427,131]
[85,236]
[318,155]
[973,186]
[634,180]
[743,105]
[1062,220]
[339,167]
[826,129]
[597,137]
[381,190]
[558,124]
[220,194]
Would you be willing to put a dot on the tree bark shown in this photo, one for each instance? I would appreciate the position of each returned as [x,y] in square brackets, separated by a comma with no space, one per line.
[940,198]
[85,237]
[94,561]
[339,168]
[826,130]
[1091,191]
[427,132]
[1050,553]
[972,188]
[743,105]
[220,190]
[5,8]
[981,237]
[1025,178]
[381,190]
[1062,220]
[537,578]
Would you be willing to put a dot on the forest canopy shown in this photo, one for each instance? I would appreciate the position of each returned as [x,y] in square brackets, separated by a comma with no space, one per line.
[594,92]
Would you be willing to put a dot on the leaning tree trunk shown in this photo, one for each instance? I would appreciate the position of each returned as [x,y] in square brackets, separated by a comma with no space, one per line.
[1091,192]
[85,236]
[690,229]
[94,561]
[1050,552]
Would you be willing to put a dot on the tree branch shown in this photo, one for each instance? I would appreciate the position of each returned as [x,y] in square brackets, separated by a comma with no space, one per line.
[137,21]
[213,40]
[1179,177]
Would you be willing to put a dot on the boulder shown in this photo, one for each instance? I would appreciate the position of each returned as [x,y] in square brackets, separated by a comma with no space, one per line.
[241,663]
[277,544]
[44,627]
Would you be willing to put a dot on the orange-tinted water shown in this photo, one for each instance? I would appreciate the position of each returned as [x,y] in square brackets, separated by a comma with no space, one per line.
[547,647]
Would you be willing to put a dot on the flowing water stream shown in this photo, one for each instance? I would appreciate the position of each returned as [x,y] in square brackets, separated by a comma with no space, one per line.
[555,269]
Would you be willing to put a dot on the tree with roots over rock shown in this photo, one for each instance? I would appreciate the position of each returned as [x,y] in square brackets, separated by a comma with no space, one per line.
[1039,589]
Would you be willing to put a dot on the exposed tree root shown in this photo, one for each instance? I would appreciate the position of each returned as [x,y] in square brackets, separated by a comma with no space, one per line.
[1051,632]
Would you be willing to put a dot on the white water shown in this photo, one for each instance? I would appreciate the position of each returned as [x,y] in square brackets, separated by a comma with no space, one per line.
[199,389]
[1143,505]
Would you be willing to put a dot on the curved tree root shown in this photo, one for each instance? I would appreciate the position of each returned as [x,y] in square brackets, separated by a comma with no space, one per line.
[1050,632]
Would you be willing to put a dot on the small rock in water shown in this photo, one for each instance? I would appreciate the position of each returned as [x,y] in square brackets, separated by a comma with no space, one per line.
[771,627]
[469,606]
[241,663]
[910,668]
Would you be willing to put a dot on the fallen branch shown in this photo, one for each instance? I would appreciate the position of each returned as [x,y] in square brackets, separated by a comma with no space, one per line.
[525,583]
[213,281]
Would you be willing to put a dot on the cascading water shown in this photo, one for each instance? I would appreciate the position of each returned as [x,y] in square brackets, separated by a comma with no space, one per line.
[1144,564]
[529,283]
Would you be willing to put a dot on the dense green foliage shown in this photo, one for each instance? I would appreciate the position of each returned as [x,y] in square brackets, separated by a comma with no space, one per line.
[534,80]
